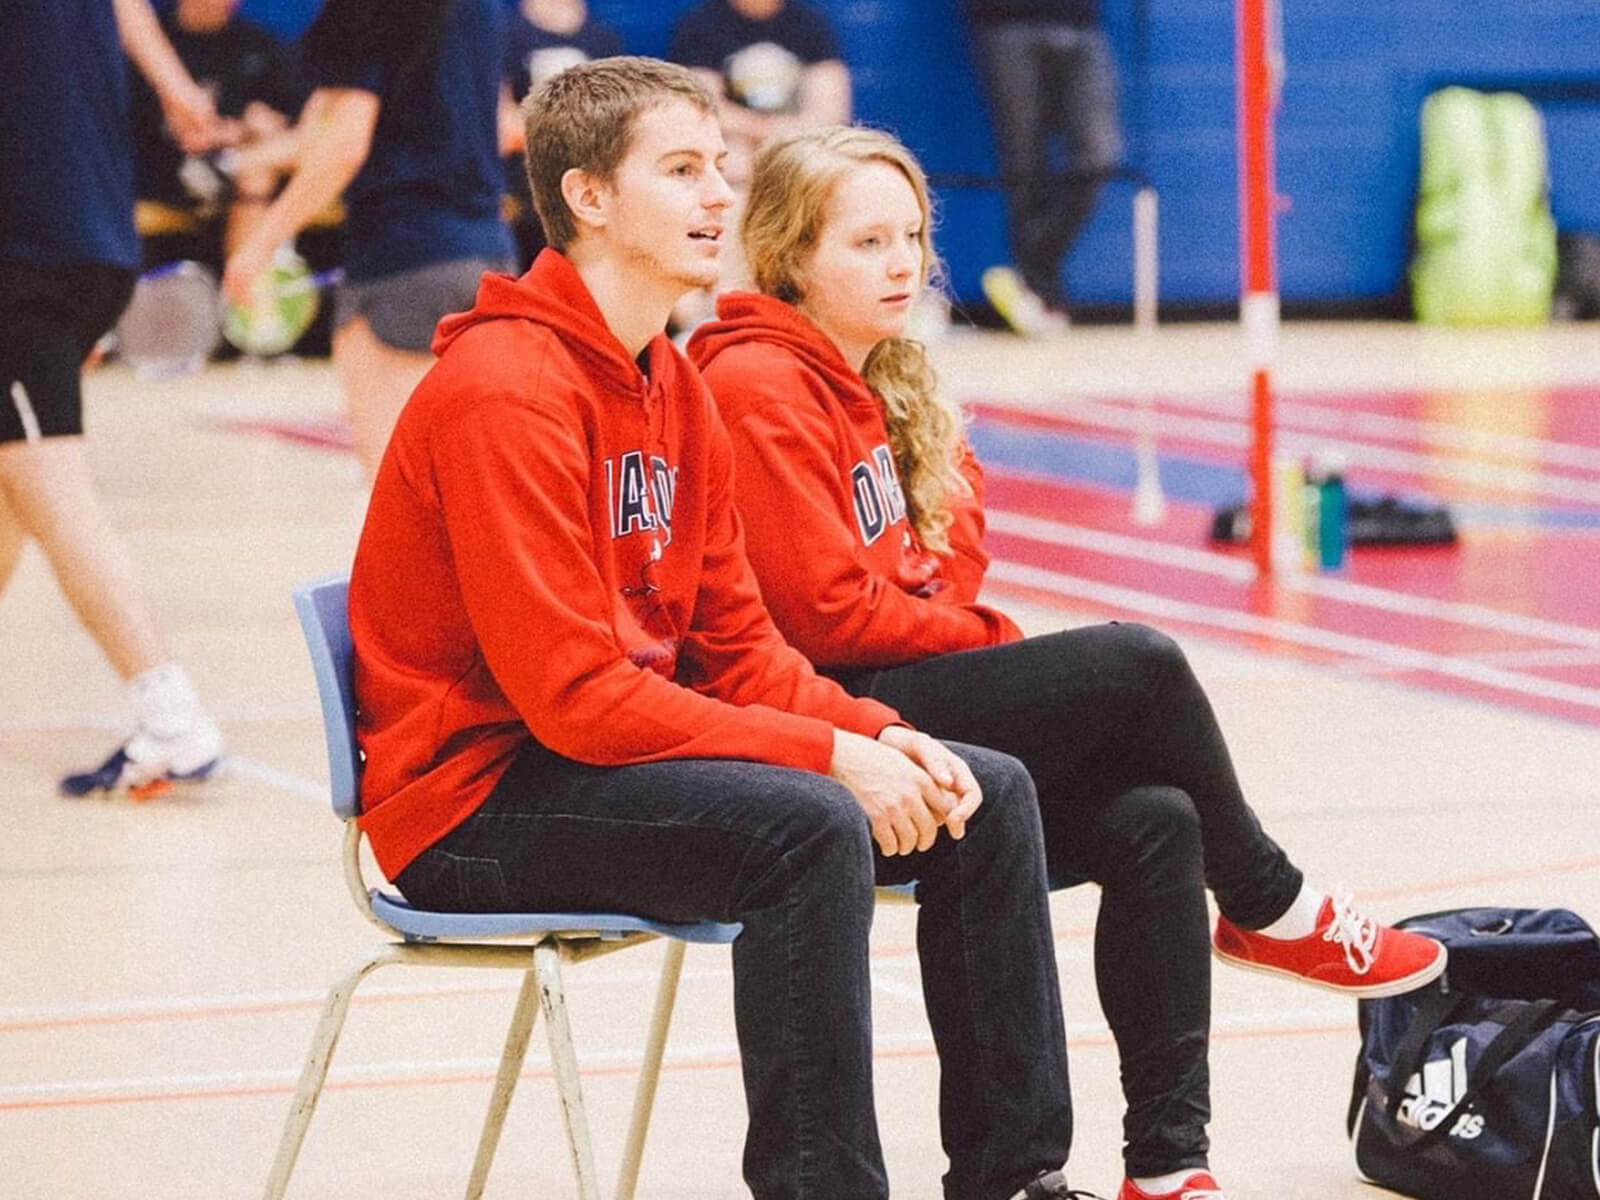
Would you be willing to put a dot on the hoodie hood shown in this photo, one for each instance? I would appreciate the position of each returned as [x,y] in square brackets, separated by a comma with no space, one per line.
[749,317]
[553,294]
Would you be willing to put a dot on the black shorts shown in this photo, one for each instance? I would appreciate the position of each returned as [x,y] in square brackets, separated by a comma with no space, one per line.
[51,315]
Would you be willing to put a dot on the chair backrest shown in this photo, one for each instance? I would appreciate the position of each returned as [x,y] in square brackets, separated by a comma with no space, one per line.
[323,608]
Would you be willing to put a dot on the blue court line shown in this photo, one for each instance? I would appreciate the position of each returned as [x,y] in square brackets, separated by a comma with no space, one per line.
[1074,459]
[1085,460]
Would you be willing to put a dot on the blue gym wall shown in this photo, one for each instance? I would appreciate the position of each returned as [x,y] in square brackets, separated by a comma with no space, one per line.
[1347,144]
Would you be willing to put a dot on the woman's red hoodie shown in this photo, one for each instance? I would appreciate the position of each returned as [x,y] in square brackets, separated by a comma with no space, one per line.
[551,551]
[840,567]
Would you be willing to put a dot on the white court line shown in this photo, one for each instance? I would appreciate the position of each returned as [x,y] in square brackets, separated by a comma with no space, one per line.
[1540,658]
[1534,659]
[1399,657]
[1462,438]
[194,1084]
[1058,533]
[1241,571]
[60,720]
[1236,435]
[298,785]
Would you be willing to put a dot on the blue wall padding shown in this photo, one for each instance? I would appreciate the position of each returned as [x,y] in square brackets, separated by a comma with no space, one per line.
[1347,132]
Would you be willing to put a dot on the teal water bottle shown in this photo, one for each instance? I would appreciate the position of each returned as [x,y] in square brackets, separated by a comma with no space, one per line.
[1326,476]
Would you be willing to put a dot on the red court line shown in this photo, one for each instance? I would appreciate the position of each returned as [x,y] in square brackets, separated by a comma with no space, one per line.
[1063,935]
[1424,469]
[253,1009]
[1272,645]
[1558,426]
[1536,575]
[1568,413]
[332,434]
[695,1066]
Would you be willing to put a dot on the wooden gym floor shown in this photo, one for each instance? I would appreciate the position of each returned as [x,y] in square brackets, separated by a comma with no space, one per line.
[1424,726]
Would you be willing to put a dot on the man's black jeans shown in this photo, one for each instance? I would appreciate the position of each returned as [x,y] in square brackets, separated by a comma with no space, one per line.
[788,854]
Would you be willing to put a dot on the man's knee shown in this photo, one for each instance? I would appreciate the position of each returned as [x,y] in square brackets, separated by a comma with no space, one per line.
[1010,809]
[822,834]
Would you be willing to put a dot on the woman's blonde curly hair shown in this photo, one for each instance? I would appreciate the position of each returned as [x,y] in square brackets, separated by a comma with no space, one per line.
[791,183]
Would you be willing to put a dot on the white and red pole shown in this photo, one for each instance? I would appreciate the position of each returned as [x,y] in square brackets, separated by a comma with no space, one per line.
[1258,307]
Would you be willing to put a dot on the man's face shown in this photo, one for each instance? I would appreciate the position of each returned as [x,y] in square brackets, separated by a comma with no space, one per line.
[667,204]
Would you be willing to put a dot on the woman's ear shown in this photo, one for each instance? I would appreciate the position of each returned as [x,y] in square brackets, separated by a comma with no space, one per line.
[586,197]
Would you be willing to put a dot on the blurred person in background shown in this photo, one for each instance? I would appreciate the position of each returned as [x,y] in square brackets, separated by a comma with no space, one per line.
[405,123]
[1051,82]
[545,38]
[200,207]
[68,258]
[774,66]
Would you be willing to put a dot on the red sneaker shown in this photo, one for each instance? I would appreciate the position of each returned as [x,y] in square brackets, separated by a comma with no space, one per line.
[1347,952]
[1197,1185]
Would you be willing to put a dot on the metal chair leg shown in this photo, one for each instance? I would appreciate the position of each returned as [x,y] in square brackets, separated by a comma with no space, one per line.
[511,1058]
[315,1073]
[644,1095]
[564,1060]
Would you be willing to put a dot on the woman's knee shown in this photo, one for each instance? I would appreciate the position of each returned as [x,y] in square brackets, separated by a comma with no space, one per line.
[1149,838]
[1157,652]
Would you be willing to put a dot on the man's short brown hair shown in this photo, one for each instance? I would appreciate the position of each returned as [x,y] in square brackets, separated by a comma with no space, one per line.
[583,118]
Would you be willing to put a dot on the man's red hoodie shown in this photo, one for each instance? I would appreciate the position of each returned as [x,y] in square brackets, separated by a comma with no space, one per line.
[840,567]
[551,551]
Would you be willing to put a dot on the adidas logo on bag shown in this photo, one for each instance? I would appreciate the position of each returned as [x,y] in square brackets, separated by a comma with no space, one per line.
[1432,1092]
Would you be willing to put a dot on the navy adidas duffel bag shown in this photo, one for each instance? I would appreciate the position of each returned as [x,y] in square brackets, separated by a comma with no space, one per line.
[1482,1085]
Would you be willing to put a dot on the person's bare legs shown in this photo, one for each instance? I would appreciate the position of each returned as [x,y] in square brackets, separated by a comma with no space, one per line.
[253,194]
[12,539]
[376,380]
[49,495]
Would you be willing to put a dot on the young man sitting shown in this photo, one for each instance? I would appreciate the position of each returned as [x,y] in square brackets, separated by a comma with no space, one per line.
[572,697]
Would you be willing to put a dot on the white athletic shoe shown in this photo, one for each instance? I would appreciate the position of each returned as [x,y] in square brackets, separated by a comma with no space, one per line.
[1020,306]
[148,764]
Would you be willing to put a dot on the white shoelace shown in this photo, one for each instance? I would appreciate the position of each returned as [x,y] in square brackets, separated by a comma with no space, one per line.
[1358,935]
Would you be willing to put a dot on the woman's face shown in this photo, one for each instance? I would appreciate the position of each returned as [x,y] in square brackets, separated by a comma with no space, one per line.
[866,269]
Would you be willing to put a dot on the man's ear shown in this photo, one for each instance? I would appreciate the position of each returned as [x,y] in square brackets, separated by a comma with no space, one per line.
[586,197]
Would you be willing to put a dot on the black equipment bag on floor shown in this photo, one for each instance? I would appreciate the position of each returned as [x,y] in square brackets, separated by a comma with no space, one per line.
[1482,1085]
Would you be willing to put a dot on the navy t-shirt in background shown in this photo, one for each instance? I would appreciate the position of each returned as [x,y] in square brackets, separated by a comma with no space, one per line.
[66,156]
[761,62]
[430,188]
[534,54]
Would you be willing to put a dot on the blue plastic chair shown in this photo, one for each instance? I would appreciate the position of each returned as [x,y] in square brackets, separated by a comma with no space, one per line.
[436,939]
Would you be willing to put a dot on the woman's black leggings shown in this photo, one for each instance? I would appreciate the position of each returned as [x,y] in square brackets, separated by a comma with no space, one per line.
[1137,793]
